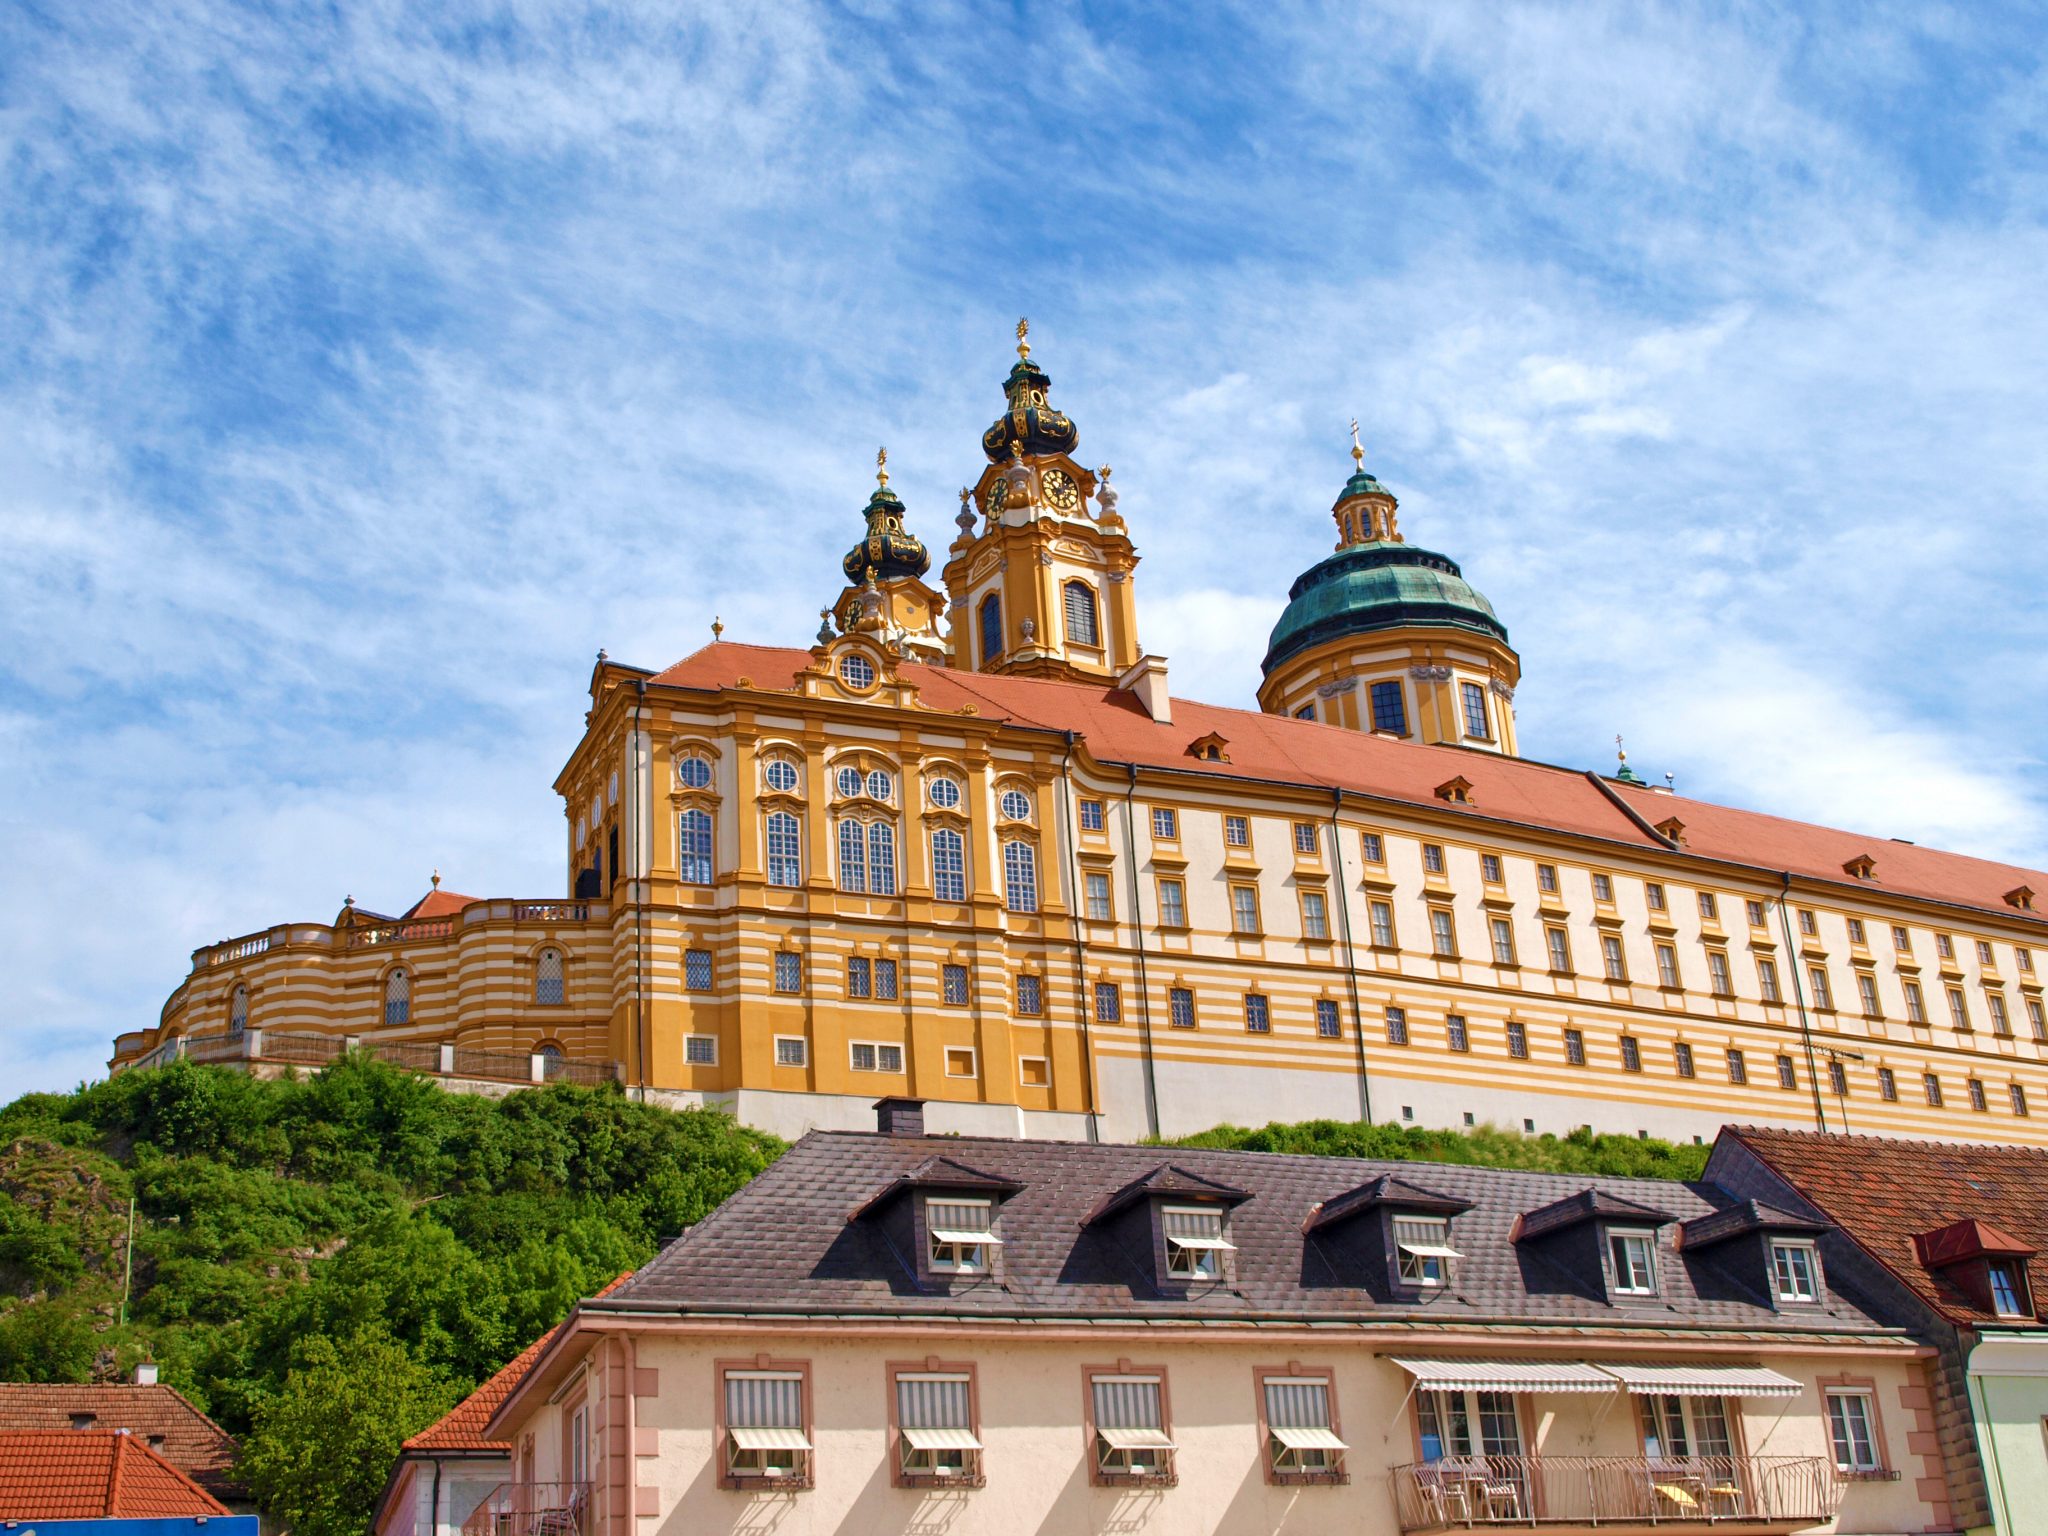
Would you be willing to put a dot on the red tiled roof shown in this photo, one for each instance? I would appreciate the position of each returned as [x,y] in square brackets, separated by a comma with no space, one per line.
[93,1474]
[1281,748]
[1885,1193]
[190,1441]
[461,1428]
[438,903]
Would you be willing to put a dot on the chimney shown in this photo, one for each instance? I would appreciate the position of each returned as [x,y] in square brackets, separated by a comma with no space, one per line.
[1145,681]
[145,1373]
[899,1117]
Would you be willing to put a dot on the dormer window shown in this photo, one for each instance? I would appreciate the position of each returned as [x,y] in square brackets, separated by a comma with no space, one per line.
[962,1238]
[1634,1257]
[1423,1252]
[2008,1288]
[1795,1271]
[1195,1244]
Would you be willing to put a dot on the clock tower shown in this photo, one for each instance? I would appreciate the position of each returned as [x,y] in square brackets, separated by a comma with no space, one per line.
[1040,578]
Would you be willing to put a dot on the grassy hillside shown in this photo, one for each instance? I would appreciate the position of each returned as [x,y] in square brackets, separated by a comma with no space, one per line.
[1486,1147]
[325,1265]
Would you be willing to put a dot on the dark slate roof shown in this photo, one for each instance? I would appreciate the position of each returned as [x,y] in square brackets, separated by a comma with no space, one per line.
[785,1244]
[1591,1203]
[1749,1216]
[940,1173]
[1166,1179]
[1385,1192]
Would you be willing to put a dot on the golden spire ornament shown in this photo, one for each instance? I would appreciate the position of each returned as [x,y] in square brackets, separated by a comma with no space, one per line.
[1357,451]
[1024,338]
[881,466]
[717,628]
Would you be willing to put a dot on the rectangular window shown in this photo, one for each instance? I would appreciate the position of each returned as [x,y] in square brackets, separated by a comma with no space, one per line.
[1030,996]
[1423,1244]
[1443,936]
[949,865]
[1475,712]
[1788,1075]
[697,970]
[1603,888]
[1109,1002]
[1944,946]
[1546,879]
[1397,1026]
[693,848]
[1559,944]
[1718,979]
[935,1430]
[1738,1068]
[1633,1257]
[1681,1058]
[1020,876]
[1808,924]
[1902,941]
[2023,958]
[1823,994]
[700,1050]
[1575,1047]
[1887,1085]
[2018,1096]
[1852,1430]
[1866,993]
[1306,712]
[1237,831]
[1372,847]
[1091,816]
[960,1232]
[1754,911]
[1301,1437]
[1984,953]
[1958,1009]
[1931,1085]
[1653,893]
[1455,1034]
[1838,1079]
[1315,915]
[1258,1020]
[953,985]
[885,979]
[791,1051]
[1244,909]
[1165,822]
[2008,1293]
[1389,709]
[789,971]
[1096,893]
[1710,907]
[1976,1087]
[868,1056]
[1612,957]
[1503,933]
[1180,1007]
[1433,858]
[766,1430]
[1631,1054]
[1916,1004]
[1034,1071]
[859,978]
[1489,868]
[1173,904]
[1856,935]
[1305,840]
[1518,1040]
[1667,966]
[1131,1439]
[2001,1022]
[785,850]
[1327,1026]
[2037,1018]
[1383,924]
[1767,979]
[1195,1244]
[1795,1271]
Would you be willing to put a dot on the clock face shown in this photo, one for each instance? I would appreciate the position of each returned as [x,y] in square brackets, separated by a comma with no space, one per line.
[998,493]
[1060,490]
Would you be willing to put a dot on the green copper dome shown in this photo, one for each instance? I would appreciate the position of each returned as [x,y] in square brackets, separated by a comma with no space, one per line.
[1378,585]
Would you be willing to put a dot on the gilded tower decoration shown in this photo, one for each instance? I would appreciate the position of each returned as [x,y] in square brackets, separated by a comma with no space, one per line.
[885,595]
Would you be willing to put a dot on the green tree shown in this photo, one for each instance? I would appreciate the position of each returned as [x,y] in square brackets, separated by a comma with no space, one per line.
[323,1446]
[45,1341]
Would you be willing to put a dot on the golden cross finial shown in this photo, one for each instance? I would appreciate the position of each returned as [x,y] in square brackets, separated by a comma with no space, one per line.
[1023,338]
[1357,452]
[717,627]
[881,466]
[1623,756]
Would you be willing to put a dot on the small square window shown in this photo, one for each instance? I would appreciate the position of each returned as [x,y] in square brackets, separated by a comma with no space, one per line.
[960,1061]
[700,1050]
[1180,1007]
[1165,822]
[1422,1245]
[1091,816]
[1546,879]
[697,970]
[1372,847]
[960,1234]
[1237,831]
[1456,1036]
[1306,841]
[1397,1026]
[1034,1071]
[1433,858]
[1030,996]
[789,971]
[791,1051]
[1489,868]
[1518,1040]
[1327,1025]
[953,985]
[1575,1047]
[1633,1255]
[1257,1019]
[1195,1243]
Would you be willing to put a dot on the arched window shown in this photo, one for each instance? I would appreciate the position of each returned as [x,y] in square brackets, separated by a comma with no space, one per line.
[1020,876]
[547,977]
[693,848]
[853,855]
[398,997]
[1081,626]
[549,1051]
[949,865]
[238,1009]
[785,850]
[882,859]
[991,628]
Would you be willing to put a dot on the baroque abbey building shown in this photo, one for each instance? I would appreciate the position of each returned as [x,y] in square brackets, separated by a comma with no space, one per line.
[967,847]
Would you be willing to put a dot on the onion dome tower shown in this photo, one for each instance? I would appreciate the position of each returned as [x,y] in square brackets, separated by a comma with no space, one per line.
[885,594]
[1387,637]
[1041,584]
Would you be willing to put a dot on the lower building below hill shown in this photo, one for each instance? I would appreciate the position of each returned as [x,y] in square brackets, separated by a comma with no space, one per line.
[892,1331]
[103,1482]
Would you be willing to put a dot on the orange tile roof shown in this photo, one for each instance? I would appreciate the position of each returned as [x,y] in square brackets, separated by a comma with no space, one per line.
[93,1474]
[1305,752]
[437,903]
[1885,1192]
[189,1440]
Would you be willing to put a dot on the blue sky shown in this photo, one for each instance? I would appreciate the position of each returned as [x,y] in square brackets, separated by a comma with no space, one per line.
[364,368]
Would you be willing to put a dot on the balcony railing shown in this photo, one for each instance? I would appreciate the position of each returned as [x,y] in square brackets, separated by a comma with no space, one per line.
[1465,1492]
[532,1509]
[380,933]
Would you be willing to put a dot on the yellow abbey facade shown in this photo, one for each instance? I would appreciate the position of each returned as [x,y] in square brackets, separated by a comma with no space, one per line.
[967,847]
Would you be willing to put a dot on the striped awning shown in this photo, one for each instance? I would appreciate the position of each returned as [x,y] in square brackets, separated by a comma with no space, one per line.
[965,1235]
[1507,1376]
[1702,1381]
[1213,1244]
[1129,1438]
[1306,1437]
[922,1439]
[1430,1250]
[750,1437]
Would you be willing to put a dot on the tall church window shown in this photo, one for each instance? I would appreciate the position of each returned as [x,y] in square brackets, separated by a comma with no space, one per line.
[1475,713]
[1081,625]
[949,865]
[238,1009]
[882,859]
[398,997]
[991,628]
[853,855]
[785,850]
[693,848]
[1020,876]
[1389,709]
[547,977]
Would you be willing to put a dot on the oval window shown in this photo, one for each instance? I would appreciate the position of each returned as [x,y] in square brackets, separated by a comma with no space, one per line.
[879,785]
[1016,805]
[849,781]
[694,772]
[945,794]
[857,671]
[782,776]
